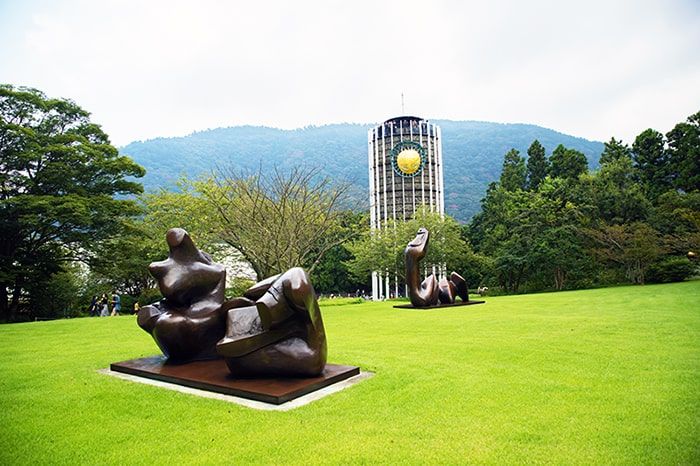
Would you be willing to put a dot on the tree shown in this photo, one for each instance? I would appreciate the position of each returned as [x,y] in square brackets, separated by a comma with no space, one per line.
[634,247]
[615,194]
[121,262]
[58,178]
[513,172]
[537,165]
[676,215]
[278,220]
[332,274]
[382,250]
[651,160]
[567,163]
[492,233]
[615,150]
[684,154]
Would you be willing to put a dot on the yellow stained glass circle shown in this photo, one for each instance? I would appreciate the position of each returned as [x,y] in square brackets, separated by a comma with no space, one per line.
[408,161]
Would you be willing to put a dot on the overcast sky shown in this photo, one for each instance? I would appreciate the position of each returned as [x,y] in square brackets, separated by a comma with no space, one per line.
[595,68]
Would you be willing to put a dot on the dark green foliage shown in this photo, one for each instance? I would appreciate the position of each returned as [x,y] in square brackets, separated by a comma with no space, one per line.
[537,165]
[651,161]
[678,215]
[615,150]
[58,180]
[472,151]
[615,195]
[149,296]
[57,296]
[684,154]
[581,228]
[567,163]
[671,269]
[332,275]
[513,171]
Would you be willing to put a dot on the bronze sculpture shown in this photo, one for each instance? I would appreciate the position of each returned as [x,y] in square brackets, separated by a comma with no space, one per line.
[281,334]
[429,292]
[189,320]
[274,329]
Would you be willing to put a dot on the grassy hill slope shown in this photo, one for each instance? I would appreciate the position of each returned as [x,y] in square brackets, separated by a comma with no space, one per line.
[585,377]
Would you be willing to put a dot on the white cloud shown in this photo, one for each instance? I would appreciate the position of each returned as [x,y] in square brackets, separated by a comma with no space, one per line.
[161,68]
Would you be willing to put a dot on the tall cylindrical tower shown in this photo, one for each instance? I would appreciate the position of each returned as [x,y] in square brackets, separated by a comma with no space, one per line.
[405,170]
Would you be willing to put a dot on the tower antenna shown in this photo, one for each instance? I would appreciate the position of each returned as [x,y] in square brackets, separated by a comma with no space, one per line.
[402,109]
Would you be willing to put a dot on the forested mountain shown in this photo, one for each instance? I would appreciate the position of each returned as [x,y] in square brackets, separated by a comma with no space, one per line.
[473,154]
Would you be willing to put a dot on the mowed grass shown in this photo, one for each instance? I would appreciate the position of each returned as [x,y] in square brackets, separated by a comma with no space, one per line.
[585,377]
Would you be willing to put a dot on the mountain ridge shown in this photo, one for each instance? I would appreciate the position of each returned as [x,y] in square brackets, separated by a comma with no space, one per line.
[472,153]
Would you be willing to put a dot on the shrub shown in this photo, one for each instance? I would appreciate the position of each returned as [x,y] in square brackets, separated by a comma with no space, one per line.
[149,296]
[239,285]
[672,269]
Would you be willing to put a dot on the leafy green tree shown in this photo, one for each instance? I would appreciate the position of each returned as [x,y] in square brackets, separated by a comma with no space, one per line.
[633,246]
[376,250]
[121,262]
[513,172]
[615,150]
[684,154]
[59,176]
[550,229]
[615,194]
[651,160]
[676,215]
[332,274]
[537,165]
[382,250]
[278,220]
[567,163]
[59,295]
[185,207]
[493,234]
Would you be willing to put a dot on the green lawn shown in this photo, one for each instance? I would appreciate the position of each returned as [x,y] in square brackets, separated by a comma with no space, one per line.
[598,376]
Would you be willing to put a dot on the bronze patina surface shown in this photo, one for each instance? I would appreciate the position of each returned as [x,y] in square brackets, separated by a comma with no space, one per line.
[430,292]
[275,329]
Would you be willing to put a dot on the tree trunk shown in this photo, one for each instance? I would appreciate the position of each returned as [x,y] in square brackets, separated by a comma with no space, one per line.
[14,303]
[559,278]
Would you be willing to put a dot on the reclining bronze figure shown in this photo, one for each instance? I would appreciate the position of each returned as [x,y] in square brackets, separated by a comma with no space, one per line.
[274,329]
[429,292]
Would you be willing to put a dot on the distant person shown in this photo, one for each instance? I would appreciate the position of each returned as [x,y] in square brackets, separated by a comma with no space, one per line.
[116,304]
[92,310]
[104,305]
[137,308]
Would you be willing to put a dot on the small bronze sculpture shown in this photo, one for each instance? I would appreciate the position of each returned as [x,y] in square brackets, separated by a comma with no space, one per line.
[430,291]
[275,329]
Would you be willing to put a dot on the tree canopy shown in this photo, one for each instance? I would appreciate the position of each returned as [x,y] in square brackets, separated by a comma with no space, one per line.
[638,214]
[60,179]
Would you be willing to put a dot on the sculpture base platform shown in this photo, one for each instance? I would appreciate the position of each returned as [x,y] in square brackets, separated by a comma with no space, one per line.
[436,306]
[214,376]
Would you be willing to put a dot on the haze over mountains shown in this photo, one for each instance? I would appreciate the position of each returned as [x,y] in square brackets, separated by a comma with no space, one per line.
[472,150]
